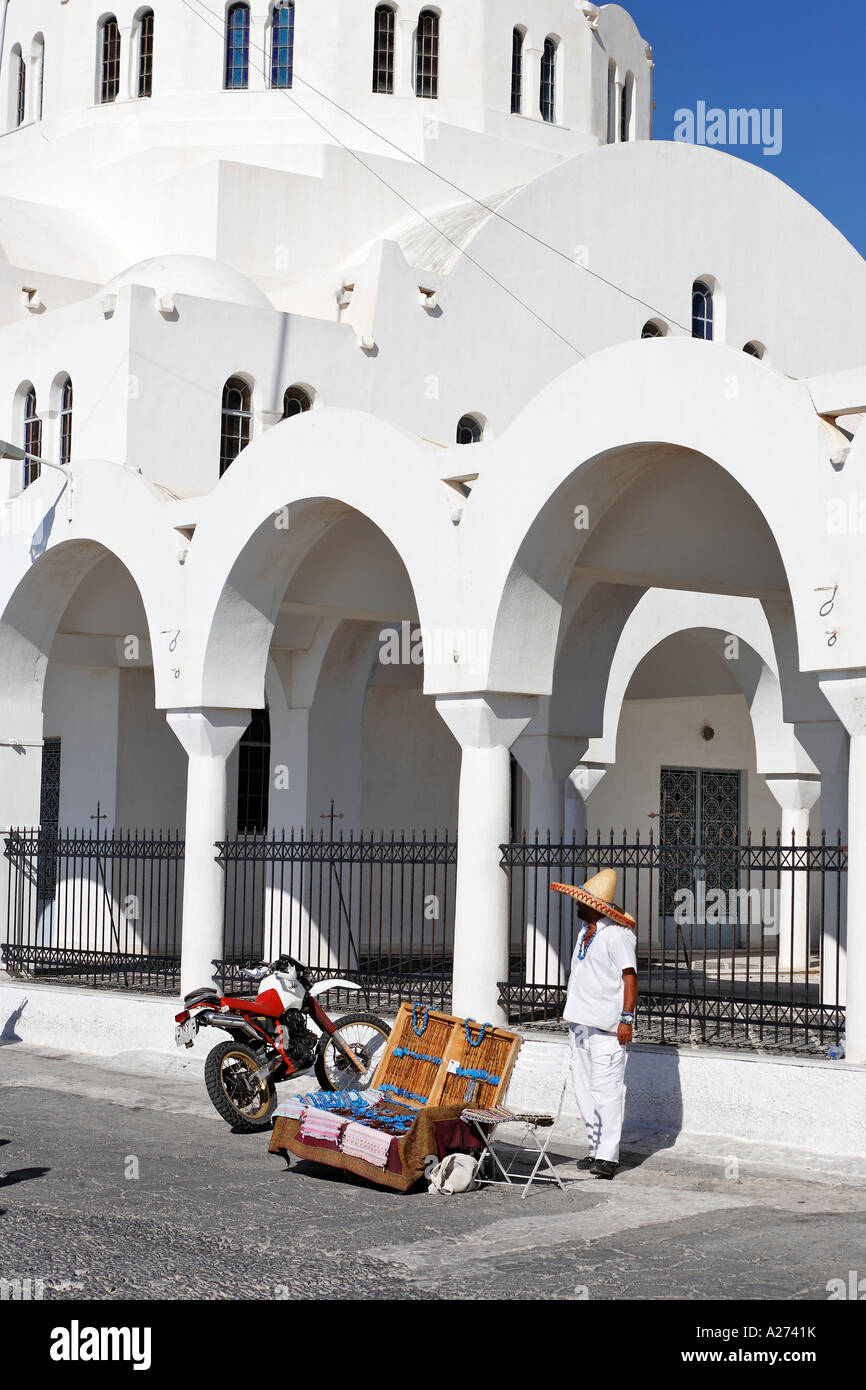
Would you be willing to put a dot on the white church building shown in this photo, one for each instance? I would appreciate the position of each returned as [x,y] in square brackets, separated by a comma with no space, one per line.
[391,427]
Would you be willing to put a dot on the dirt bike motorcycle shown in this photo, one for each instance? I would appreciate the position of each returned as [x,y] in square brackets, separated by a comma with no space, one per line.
[269,1041]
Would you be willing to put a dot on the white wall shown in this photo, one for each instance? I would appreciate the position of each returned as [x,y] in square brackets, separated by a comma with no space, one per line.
[667,733]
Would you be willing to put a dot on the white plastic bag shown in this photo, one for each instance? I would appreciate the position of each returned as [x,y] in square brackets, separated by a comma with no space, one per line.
[455,1173]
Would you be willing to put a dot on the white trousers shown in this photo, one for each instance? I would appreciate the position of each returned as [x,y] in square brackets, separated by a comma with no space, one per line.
[598,1071]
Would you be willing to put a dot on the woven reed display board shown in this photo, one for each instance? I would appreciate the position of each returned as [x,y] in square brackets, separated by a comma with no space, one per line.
[426,1047]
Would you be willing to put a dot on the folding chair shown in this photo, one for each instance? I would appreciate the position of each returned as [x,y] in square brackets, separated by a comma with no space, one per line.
[484,1122]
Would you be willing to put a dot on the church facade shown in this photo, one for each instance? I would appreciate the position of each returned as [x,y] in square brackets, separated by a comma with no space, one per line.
[391,426]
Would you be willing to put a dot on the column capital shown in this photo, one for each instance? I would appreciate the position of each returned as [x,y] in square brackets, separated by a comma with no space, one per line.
[846,692]
[795,793]
[486,720]
[208,731]
[585,778]
[548,756]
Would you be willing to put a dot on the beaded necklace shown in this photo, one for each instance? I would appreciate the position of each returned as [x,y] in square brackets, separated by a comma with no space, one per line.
[485,1027]
[419,1056]
[419,1032]
[582,944]
[478,1075]
[409,1095]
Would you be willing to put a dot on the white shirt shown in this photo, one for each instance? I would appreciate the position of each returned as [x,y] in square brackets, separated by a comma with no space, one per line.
[595,986]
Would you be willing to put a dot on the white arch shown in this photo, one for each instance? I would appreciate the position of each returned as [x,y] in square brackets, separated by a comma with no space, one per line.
[662,613]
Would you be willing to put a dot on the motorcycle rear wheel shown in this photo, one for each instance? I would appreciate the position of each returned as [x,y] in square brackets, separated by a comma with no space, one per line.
[366,1035]
[227,1067]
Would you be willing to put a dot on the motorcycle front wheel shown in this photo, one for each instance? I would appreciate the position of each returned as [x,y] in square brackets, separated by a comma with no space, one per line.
[245,1104]
[366,1035]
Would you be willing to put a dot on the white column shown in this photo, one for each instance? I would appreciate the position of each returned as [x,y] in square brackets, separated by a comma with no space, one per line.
[547,760]
[796,796]
[208,736]
[485,727]
[847,695]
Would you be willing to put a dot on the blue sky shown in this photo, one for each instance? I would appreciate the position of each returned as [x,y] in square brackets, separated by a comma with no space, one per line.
[800,55]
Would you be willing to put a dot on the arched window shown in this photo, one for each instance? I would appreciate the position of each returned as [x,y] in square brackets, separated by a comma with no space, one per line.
[66,422]
[469,430]
[21,99]
[145,54]
[109,82]
[702,311]
[611,102]
[548,81]
[37,75]
[626,104]
[237,421]
[296,401]
[383,50]
[754,350]
[237,74]
[282,45]
[427,55]
[254,775]
[32,438]
[517,72]
[652,330]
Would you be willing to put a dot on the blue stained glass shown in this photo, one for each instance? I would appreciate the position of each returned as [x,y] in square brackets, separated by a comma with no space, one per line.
[282,46]
[238,48]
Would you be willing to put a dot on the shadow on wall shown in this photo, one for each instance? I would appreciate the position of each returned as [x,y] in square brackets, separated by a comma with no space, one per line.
[653,1101]
[9,1034]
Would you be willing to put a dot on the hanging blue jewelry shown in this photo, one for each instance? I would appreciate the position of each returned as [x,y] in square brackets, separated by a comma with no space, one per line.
[485,1028]
[419,1032]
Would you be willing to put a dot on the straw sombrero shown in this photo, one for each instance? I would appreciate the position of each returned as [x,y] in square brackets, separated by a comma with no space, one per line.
[598,894]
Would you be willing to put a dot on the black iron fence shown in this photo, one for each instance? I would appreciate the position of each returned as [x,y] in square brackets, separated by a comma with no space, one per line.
[740,944]
[95,909]
[737,944]
[378,911]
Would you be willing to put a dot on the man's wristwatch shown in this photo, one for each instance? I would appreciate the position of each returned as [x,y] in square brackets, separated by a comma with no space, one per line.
[627,1018]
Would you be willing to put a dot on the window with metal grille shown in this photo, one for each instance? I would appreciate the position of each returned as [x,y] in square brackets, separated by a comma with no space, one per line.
[754,350]
[469,430]
[237,419]
[32,438]
[145,54]
[254,775]
[22,91]
[66,422]
[702,311]
[626,102]
[282,45]
[49,820]
[237,73]
[548,81]
[427,55]
[295,402]
[383,50]
[517,72]
[611,102]
[652,330]
[109,85]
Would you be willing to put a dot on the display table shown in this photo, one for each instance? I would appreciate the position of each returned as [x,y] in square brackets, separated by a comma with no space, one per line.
[437,1131]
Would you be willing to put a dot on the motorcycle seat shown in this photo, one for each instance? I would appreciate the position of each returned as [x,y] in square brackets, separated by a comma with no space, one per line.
[201,996]
[269,1004]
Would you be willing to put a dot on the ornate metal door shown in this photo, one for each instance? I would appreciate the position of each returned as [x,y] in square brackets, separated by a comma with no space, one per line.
[699,831]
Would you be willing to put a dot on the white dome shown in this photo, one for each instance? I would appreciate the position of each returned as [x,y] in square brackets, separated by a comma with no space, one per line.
[194,275]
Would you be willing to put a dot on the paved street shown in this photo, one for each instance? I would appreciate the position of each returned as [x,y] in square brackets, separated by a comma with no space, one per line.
[125,1184]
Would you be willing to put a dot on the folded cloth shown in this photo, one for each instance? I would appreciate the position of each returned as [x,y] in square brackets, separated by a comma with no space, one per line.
[318,1124]
[293,1108]
[359,1141]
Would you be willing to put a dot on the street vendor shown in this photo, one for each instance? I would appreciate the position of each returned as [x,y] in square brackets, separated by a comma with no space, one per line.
[599,1010]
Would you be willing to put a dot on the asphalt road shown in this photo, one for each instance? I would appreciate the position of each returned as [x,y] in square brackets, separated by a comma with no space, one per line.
[117,1185]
